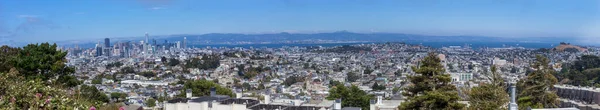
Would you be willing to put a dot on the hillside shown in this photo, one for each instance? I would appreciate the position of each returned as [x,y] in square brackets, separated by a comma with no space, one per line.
[566,46]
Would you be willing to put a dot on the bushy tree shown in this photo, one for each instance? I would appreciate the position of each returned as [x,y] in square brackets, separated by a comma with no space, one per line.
[536,88]
[202,88]
[7,56]
[117,95]
[489,96]
[431,88]
[205,63]
[92,93]
[351,96]
[378,87]
[150,102]
[173,62]
[42,61]
[351,76]
[582,72]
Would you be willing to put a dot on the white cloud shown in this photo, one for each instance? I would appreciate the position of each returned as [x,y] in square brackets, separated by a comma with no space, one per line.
[27,16]
[157,8]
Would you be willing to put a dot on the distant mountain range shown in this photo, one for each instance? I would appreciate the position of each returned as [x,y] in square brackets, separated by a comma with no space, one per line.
[317,38]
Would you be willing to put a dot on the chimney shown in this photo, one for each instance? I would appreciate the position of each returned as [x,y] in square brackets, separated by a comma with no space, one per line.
[238,95]
[188,93]
[213,91]
[379,100]
[337,104]
[513,103]
[267,98]
[372,105]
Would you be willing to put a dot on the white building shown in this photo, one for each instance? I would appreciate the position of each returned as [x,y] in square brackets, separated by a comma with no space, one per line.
[461,77]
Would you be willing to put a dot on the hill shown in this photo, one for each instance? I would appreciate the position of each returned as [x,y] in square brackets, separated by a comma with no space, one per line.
[568,47]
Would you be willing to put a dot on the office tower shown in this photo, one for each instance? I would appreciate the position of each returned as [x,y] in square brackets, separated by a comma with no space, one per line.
[147,37]
[107,52]
[98,50]
[184,45]
[178,44]
[153,42]
[106,42]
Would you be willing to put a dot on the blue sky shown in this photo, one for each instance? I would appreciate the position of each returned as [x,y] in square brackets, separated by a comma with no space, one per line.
[55,20]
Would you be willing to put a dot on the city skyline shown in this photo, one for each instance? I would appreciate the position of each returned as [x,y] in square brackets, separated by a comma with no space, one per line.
[39,21]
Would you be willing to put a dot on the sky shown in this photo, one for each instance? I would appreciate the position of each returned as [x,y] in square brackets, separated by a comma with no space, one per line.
[57,20]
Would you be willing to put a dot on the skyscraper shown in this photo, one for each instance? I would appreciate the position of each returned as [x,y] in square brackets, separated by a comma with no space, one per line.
[106,42]
[147,37]
[98,49]
[184,44]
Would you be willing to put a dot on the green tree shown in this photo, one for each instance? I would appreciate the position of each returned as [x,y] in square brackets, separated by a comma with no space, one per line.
[351,76]
[92,93]
[398,73]
[351,96]
[97,81]
[42,61]
[334,83]
[247,86]
[117,95]
[261,86]
[127,69]
[68,81]
[431,88]
[202,88]
[489,96]
[205,63]
[7,56]
[163,59]
[150,102]
[173,62]
[536,88]
[378,87]
[395,90]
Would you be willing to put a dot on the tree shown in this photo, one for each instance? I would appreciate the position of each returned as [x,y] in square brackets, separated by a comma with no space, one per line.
[173,62]
[353,77]
[92,93]
[431,88]
[582,72]
[205,63]
[398,73]
[42,61]
[261,86]
[115,64]
[68,81]
[351,96]
[117,95]
[147,74]
[127,69]
[202,88]
[247,86]
[334,83]
[150,102]
[163,59]
[395,90]
[7,56]
[292,79]
[97,81]
[489,96]
[378,87]
[368,71]
[536,88]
